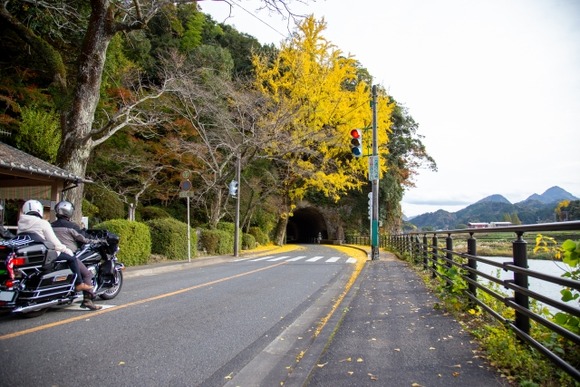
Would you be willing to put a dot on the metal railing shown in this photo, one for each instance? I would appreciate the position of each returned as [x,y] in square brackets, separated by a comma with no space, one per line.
[434,250]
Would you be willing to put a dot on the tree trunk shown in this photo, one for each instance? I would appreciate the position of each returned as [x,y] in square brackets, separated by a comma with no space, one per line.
[77,143]
[281,230]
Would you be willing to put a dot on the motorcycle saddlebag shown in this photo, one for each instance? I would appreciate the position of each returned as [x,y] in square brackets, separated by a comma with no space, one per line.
[32,253]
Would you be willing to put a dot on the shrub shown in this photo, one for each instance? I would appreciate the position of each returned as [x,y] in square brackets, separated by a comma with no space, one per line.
[209,240]
[260,236]
[226,226]
[248,242]
[217,242]
[226,243]
[152,212]
[134,240]
[169,238]
[39,133]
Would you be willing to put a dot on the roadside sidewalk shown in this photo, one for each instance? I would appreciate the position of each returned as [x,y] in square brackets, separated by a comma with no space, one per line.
[391,335]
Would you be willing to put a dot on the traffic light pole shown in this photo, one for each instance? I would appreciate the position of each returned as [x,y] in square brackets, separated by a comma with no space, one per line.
[237,226]
[375,185]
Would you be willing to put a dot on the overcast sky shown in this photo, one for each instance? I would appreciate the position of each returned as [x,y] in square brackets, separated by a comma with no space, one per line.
[493,84]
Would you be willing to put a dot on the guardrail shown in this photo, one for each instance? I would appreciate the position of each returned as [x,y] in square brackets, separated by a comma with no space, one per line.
[438,256]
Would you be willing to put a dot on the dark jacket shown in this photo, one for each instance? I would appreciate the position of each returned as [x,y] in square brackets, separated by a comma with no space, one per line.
[70,233]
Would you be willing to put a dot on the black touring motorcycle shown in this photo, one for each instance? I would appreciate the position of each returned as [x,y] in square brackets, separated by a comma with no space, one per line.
[33,279]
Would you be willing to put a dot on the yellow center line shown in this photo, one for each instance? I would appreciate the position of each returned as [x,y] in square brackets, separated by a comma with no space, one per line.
[145,300]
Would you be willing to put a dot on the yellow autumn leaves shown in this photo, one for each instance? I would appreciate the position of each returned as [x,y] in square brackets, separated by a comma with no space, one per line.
[317,95]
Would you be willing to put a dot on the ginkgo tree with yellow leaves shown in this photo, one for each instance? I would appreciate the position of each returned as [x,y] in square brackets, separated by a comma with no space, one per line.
[316,98]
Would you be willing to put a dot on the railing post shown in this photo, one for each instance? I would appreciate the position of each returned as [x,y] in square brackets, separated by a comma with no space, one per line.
[434,255]
[449,248]
[425,251]
[449,258]
[520,256]
[402,244]
[417,248]
[472,263]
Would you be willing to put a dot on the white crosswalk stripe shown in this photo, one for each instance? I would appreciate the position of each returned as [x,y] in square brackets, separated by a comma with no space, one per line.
[297,258]
[262,259]
[278,258]
[303,258]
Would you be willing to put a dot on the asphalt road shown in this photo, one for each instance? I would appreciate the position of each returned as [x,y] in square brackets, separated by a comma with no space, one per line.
[240,322]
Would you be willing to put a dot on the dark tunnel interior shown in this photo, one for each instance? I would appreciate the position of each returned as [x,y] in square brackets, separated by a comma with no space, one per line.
[305,225]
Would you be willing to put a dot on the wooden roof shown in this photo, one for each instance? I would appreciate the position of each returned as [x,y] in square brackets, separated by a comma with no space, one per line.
[24,176]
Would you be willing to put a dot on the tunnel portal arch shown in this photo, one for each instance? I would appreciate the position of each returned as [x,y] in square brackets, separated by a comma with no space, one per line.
[305,225]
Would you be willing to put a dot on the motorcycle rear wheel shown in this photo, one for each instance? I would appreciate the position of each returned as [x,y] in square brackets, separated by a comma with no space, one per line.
[113,291]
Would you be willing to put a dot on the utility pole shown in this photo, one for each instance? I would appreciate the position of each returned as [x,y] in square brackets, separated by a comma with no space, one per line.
[375,182]
[237,227]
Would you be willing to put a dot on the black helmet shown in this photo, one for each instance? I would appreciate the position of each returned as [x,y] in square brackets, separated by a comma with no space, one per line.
[64,209]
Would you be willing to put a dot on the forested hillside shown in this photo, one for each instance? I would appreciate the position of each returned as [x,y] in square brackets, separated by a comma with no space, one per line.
[133,98]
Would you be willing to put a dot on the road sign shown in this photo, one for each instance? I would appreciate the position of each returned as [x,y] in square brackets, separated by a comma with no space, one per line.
[186,194]
[373,168]
[186,174]
[185,185]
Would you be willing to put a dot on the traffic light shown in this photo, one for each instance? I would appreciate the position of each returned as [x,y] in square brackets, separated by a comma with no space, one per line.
[356,142]
[233,187]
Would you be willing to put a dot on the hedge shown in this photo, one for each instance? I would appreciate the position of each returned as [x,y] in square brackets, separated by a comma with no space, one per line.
[248,242]
[260,236]
[134,240]
[169,238]
[217,242]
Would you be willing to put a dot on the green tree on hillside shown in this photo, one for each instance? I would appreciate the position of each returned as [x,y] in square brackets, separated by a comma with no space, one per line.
[66,42]
[568,210]
[515,219]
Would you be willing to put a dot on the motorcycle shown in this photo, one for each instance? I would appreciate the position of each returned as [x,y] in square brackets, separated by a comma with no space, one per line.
[33,279]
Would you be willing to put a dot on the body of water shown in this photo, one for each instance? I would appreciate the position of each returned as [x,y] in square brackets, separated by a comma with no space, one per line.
[539,286]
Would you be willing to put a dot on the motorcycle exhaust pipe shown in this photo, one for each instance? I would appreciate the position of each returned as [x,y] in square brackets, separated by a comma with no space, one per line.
[33,308]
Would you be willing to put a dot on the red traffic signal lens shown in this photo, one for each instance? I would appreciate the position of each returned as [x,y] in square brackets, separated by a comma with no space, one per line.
[355,133]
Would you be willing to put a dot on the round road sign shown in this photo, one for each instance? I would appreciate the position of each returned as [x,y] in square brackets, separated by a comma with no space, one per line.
[185,185]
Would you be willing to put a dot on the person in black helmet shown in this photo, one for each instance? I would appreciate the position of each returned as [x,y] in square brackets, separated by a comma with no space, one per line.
[32,223]
[70,234]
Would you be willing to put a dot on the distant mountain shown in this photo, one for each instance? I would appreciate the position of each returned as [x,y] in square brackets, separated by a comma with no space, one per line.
[552,195]
[536,208]
[494,198]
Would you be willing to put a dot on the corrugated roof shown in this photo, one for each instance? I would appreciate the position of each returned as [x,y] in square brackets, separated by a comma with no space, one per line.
[15,159]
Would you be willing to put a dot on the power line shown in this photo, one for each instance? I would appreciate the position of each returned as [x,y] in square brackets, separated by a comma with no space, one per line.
[231,4]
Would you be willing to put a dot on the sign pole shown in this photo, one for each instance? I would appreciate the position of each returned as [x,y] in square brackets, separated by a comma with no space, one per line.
[375,184]
[188,234]
[185,186]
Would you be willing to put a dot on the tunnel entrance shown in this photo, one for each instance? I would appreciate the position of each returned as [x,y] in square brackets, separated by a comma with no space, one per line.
[305,225]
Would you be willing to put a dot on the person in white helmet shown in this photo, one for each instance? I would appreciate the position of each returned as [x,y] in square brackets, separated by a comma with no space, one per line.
[32,223]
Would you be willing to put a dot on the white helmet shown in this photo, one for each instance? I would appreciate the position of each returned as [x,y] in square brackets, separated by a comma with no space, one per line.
[33,207]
